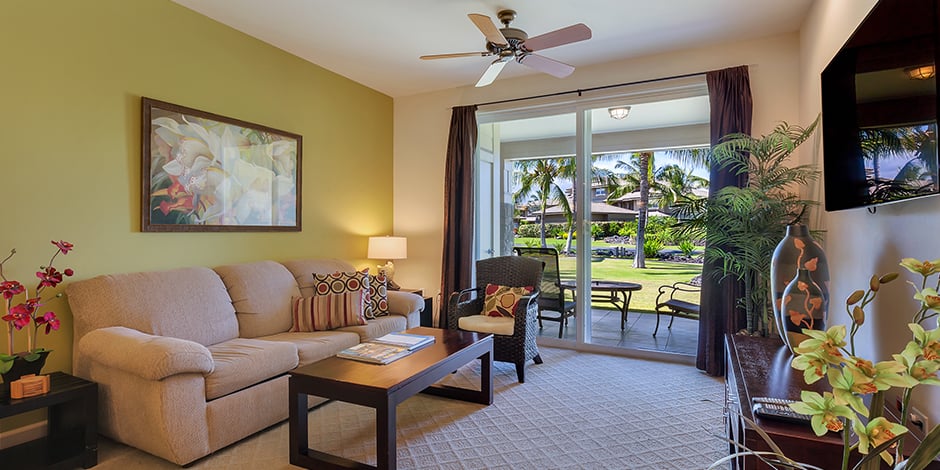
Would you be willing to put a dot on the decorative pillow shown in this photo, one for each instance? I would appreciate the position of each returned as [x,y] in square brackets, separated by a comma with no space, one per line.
[500,301]
[377,298]
[327,312]
[339,299]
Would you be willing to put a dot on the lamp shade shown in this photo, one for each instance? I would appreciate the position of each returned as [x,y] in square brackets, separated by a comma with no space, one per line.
[388,248]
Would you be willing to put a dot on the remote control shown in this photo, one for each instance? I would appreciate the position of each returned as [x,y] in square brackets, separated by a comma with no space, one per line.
[777,408]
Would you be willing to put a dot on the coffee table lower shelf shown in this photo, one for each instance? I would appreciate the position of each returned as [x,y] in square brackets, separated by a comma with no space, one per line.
[383,387]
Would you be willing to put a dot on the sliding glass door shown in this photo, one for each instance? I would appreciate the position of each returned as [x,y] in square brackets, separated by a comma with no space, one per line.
[562,176]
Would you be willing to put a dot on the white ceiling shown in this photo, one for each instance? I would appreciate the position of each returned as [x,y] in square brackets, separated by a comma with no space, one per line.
[377,42]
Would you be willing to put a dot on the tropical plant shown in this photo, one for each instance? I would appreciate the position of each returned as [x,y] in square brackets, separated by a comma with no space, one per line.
[687,247]
[744,224]
[827,354]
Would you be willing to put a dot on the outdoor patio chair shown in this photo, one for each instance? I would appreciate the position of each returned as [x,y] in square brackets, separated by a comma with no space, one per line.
[513,336]
[676,300]
[552,296]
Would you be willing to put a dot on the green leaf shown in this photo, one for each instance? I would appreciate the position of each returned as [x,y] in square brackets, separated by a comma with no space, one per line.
[926,452]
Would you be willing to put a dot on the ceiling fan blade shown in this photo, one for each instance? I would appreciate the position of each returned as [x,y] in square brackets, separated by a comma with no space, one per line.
[544,64]
[491,72]
[488,28]
[559,37]
[457,54]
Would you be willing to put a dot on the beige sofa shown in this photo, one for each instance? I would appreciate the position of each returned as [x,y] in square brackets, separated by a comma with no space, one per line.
[191,360]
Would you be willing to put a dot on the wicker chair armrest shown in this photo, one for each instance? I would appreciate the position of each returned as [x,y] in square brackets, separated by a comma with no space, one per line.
[462,304]
[527,309]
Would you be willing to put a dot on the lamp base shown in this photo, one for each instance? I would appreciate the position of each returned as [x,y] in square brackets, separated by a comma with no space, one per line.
[389,270]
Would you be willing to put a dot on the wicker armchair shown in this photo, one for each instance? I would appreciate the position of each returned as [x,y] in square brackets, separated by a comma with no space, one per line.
[513,338]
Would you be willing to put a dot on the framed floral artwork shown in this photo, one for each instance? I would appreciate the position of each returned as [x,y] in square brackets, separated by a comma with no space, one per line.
[208,173]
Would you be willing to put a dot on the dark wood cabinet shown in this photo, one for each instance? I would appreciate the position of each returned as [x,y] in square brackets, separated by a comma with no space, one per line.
[72,437]
[760,367]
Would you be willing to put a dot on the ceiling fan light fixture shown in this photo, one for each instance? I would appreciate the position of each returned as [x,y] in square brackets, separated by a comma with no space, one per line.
[619,112]
[924,72]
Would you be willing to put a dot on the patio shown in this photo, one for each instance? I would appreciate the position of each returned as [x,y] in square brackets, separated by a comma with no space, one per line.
[682,338]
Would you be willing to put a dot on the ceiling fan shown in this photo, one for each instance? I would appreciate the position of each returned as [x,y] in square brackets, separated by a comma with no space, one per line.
[514,44]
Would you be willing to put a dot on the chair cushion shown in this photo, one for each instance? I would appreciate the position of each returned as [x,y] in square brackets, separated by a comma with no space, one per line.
[486,324]
[242,362]
[500,301]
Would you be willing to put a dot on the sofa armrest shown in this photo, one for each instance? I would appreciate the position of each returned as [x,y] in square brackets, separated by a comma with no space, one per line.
[147,356]
[404,303]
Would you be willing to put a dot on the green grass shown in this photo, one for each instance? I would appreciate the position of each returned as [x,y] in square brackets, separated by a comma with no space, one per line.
[655,274]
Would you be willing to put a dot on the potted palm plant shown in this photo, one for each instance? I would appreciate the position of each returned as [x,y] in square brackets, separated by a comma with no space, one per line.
[743,225]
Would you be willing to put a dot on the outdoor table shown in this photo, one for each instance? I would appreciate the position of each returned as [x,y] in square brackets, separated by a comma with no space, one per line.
[616,293]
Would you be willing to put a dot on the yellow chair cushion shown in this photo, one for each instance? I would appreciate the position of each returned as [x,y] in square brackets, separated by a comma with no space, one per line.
[485,324]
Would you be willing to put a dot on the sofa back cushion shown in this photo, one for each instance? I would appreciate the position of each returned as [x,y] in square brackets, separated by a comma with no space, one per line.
[185,303]
[261,293]
[303,269]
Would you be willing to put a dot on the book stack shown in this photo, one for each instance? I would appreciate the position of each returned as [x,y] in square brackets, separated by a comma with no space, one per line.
[386,349]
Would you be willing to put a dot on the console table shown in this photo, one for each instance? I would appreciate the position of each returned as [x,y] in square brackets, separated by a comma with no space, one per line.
[760,367]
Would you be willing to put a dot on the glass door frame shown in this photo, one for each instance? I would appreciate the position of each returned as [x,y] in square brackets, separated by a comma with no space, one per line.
[581,106]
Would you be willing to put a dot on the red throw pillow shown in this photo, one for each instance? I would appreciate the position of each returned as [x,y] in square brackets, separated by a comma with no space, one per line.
[500,301]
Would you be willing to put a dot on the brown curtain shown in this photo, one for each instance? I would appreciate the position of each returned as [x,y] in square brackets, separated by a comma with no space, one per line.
[457,263]
[729,92]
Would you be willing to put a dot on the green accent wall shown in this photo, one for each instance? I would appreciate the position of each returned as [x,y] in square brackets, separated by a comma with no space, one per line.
[71,79]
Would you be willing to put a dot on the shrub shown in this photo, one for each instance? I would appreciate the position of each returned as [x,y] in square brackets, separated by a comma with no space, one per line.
[687,247]
[651,247]
[528,231]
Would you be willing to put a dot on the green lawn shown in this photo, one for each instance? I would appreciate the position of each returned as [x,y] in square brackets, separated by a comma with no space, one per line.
[654,275]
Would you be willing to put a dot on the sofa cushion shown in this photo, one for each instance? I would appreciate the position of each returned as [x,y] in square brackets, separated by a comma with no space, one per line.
[316,345]
[303,270]
[261,294]
[378,327]
[185,303]
[243,362]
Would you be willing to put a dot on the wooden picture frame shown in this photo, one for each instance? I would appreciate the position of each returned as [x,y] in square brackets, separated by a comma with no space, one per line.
[202,172]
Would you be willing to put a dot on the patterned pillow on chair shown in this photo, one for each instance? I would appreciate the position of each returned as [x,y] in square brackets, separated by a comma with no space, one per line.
[500,301]
[339,299]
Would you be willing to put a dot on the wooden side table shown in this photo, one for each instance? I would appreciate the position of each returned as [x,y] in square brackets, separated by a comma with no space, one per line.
[72,438]
[427,315]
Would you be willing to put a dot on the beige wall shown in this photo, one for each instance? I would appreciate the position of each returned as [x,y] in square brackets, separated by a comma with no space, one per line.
[860,244]
[72,77]
[421,126]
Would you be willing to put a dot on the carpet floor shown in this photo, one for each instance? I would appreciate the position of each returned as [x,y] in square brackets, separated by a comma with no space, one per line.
[577,410]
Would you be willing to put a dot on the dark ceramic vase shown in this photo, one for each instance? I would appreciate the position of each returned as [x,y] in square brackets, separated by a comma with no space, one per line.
[797,250]
[23,367]
[803,306]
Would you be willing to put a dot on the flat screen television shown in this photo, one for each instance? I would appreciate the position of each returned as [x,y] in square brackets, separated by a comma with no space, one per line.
[879,109]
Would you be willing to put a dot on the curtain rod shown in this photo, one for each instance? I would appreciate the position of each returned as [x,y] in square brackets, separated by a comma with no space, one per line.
[583,90]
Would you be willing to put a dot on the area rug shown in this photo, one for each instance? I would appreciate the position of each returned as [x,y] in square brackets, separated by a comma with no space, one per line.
[575,411]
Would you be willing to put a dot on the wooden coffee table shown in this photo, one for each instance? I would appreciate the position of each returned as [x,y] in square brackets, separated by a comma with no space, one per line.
[383,387]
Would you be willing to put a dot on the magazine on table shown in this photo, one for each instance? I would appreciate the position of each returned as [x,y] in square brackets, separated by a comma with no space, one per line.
[375,353]
[405,340]
[386,349]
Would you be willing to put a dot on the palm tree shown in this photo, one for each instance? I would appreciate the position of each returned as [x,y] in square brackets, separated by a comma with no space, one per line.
[674,183]
[637,172]
[542,175]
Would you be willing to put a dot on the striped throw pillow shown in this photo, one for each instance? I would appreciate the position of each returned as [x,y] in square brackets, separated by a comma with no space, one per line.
[339,300]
